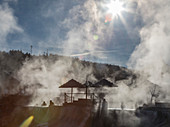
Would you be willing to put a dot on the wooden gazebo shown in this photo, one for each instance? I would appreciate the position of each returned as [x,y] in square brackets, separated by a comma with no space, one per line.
[103,83]
[72,84]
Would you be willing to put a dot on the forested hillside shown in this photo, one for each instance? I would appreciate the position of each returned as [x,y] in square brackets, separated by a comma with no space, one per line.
[18,68]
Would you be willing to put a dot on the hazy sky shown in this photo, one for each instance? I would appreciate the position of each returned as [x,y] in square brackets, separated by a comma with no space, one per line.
[71,27]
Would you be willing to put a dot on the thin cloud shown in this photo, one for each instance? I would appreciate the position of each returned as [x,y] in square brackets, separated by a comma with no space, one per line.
[89,53]
[8,24]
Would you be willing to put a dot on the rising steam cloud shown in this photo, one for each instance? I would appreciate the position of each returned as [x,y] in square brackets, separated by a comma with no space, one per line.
[83,23]
[44,76]
[151,56]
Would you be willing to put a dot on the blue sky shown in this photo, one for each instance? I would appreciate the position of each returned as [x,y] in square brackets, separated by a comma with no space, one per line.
[69,27]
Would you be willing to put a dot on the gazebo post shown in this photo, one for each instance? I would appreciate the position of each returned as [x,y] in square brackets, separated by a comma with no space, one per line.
[86,91]
[65,98]
[71,94]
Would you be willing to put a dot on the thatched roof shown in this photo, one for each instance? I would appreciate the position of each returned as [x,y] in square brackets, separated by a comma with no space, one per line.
[72,84]
[104,82]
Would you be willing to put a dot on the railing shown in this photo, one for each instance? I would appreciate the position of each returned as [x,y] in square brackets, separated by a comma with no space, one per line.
[68,99]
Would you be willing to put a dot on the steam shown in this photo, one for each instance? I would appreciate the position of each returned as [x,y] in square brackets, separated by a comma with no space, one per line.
[151,56]
[51,74]
[83,22]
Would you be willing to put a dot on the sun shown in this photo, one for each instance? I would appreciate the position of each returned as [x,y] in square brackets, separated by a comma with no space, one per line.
[115,7]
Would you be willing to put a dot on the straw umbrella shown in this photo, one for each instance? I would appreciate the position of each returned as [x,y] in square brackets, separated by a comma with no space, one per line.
[104,82]
[72,84]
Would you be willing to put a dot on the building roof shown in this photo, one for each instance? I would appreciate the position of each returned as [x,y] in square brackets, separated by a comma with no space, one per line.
[72,84]
[104,82]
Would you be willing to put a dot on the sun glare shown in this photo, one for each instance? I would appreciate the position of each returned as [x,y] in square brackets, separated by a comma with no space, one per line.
[115,7]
